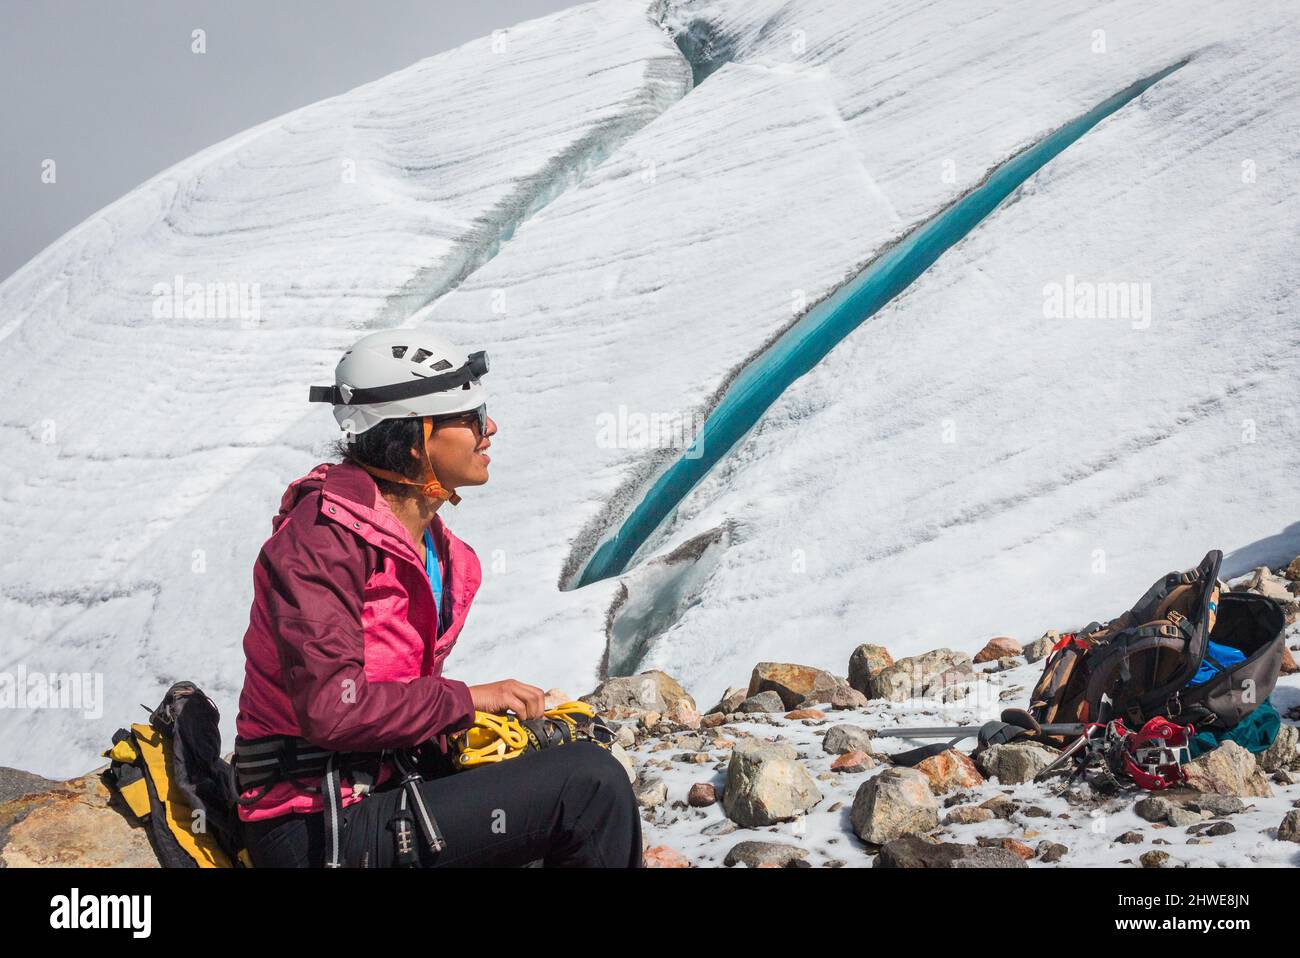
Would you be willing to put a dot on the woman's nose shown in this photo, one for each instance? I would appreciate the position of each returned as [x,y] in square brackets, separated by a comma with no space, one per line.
[491,427]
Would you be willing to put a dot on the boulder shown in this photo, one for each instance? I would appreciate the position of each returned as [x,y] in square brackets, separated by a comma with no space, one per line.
[1038,649]
[730,701]
[1282,754]
[920,675]
[1015,762]
[766,784]
[1227,770]
[1002,647]
[1289,830]
[895,803]
[631,696]
[1262,581]
[78,823]
[797,685]
[866,662]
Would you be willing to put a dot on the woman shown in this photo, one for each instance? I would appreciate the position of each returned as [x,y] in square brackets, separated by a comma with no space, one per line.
[359,596]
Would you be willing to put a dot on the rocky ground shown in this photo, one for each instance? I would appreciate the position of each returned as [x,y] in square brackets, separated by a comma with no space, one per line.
[794,770]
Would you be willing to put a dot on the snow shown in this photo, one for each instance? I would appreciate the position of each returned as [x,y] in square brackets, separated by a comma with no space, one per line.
[615,238]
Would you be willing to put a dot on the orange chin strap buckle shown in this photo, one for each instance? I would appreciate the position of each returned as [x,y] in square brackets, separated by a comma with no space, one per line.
[431,487]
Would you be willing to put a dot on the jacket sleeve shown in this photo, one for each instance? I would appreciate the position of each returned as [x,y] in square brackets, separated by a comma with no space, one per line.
[315,576]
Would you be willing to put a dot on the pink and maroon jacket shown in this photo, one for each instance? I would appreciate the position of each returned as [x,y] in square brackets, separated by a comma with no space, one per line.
[342,646]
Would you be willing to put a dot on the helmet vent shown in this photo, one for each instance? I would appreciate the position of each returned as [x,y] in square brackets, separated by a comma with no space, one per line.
[399,352]
[441,365]
[421,355]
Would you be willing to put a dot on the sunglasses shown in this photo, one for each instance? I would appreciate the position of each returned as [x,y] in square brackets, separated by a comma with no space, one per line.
[480,415]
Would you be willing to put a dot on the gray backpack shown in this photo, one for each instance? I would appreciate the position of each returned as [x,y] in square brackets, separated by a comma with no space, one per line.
[1142,661]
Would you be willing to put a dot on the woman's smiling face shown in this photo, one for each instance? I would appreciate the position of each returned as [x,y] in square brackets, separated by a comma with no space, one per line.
[458,452]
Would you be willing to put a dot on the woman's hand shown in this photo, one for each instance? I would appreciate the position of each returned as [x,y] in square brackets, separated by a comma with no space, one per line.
[526,701]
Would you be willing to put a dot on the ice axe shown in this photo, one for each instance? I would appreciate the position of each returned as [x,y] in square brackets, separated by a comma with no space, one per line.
[1014,724]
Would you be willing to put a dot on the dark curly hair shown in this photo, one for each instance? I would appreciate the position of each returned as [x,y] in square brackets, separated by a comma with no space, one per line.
[387,445]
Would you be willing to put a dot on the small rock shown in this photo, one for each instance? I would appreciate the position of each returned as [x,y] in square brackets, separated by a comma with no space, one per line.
[1130,838]
[842,739]
[1289,830]
[1217,805]
[805,714]
[968,815]
[845,697]
[651,793]
[1153,859]
[758,854]
[724,827]
[661,856]
[950,770]
[1000,806]
[1220,828]
[855,761]
[694,758]
[762,702]
[1051,851]
[701,795]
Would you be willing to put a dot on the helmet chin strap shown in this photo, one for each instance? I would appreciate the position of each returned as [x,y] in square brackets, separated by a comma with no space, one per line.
[431,488]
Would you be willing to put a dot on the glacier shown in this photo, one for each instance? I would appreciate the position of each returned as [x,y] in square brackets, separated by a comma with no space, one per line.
[625,204]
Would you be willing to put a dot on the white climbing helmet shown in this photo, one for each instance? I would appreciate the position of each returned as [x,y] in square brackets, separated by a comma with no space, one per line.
[398,373]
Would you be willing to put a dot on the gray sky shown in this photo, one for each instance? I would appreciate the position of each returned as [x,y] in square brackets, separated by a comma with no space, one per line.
[110,90]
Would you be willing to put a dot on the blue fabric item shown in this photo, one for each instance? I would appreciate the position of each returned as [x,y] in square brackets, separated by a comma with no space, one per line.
[1255,733]
[1225,655]
[433,570]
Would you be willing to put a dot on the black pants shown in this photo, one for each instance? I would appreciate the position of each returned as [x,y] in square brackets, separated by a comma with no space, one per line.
[570,805]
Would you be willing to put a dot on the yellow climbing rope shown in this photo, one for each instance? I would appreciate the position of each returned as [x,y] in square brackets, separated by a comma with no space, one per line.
[499,738]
